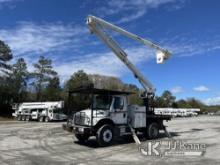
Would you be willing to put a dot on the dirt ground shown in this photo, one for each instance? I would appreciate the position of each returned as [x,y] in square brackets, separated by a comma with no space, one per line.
[36,143]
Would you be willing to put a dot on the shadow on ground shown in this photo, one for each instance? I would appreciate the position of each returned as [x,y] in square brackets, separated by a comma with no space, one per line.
[121,140]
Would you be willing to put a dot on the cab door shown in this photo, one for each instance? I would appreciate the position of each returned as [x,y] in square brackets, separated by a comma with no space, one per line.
[118,111]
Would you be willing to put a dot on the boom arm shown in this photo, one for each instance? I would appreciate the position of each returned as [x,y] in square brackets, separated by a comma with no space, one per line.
[96,26]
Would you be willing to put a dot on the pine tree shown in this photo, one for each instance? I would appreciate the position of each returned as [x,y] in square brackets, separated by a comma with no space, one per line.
[18,80]
[42,74]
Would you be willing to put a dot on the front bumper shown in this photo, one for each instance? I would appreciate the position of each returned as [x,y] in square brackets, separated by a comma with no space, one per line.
[82,130]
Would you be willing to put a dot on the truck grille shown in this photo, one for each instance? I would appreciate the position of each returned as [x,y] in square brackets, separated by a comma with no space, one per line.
[80,119]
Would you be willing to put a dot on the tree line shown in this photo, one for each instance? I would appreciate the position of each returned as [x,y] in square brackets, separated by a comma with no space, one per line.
[18,84]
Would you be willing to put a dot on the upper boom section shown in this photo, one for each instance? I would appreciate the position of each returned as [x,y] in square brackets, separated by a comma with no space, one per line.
[96,26]
[162,53]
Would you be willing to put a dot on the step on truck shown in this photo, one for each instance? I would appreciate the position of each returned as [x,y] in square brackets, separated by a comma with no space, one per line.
[40,111]
[110,113]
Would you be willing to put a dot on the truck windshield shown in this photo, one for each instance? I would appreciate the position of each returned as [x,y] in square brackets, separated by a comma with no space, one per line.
[102,102]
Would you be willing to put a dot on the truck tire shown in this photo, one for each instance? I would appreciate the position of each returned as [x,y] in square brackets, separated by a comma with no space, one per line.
[41,119]
[152,131]
[27,118]
[19,118]
[82,138]
[47,119]
[23,117]
[105,135]
[69,126]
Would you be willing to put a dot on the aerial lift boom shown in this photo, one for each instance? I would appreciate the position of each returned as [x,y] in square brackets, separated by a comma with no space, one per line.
[98,26]
[114,115]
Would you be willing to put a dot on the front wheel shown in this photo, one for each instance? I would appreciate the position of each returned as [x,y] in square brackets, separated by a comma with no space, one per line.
[82,138]
[105,135]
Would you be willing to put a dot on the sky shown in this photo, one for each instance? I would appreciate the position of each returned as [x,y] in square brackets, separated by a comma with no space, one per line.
[57,29]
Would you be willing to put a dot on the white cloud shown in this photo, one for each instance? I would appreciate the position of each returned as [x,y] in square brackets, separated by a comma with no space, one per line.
[103,63]
[8,3]
[201,88]
[212,101]
[177,89]
[5,1]
[184,45]
[28,37]
[136,8]
[29,40]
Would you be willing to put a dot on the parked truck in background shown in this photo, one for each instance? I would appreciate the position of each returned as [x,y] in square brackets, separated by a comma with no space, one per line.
[40,111]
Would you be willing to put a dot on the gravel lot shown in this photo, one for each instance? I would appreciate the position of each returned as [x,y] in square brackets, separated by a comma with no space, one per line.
[47,143]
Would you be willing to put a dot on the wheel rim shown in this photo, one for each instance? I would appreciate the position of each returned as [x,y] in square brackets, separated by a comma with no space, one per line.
[107,135]
[154,131]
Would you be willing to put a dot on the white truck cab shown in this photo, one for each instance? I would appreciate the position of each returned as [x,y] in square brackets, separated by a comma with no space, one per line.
[112,107]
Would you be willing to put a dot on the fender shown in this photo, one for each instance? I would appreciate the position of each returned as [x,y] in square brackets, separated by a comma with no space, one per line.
[103,122]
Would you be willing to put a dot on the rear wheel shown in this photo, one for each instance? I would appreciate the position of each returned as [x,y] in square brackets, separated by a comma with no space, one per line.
[105,135]
[19,118]
[47,119]
[153,131]
[41,119]
[28,118]
[23,118]
[82,138]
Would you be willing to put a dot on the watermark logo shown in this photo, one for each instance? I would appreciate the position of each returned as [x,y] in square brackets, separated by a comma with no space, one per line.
[172,148]
[151,148]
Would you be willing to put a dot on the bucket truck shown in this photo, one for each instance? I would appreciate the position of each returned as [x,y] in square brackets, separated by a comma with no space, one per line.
[40,111]
[110,114]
